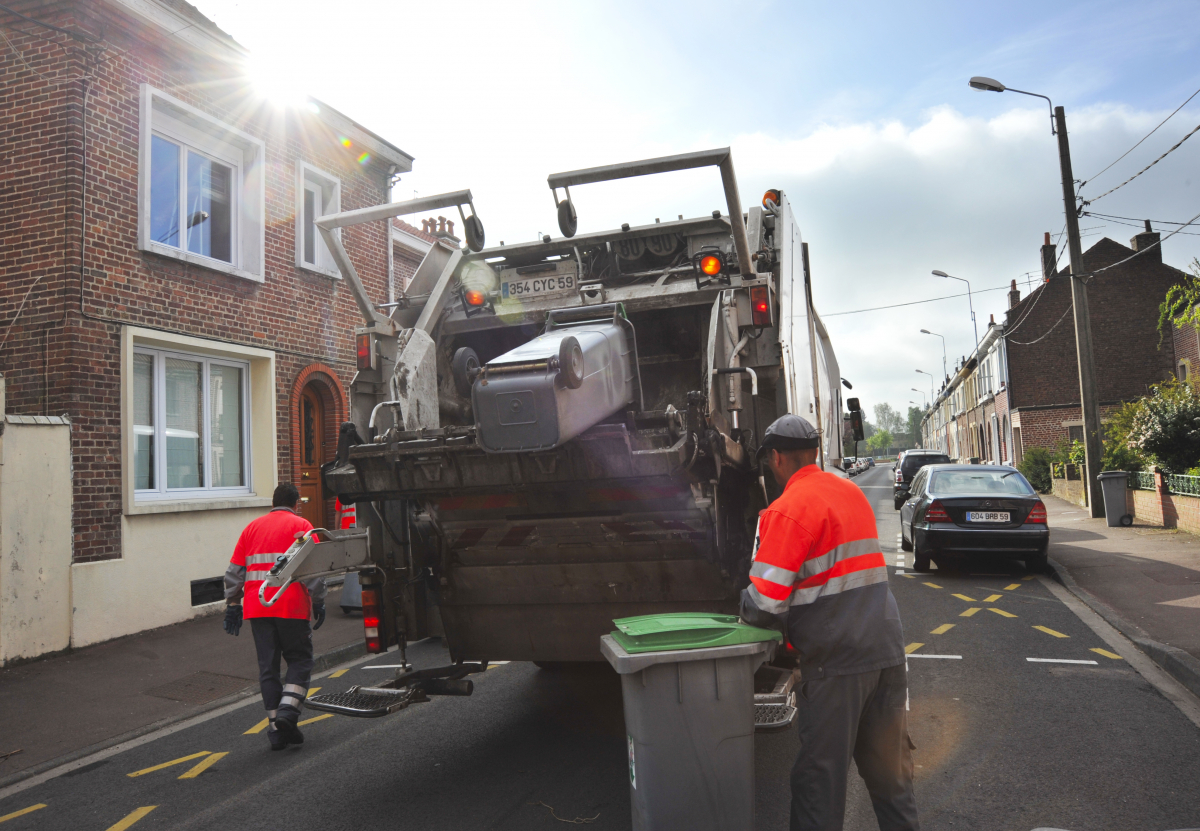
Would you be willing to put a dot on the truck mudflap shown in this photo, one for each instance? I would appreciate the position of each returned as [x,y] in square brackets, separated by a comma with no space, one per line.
[436,462]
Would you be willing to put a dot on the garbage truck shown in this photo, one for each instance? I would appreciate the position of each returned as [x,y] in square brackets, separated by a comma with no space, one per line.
[549,435]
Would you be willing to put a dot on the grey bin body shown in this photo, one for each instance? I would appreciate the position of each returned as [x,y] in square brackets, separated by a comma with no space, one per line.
[1114,484]
[689,720]
[535,410]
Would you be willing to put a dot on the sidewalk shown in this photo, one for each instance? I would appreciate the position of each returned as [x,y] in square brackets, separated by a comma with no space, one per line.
[51,709]
[1145,578]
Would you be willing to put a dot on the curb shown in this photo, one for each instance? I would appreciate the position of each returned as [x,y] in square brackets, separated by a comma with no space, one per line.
[321,663]
[1177,663]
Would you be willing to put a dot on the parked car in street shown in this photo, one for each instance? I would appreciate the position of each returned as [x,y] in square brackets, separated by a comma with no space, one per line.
[906,468]
[969,510]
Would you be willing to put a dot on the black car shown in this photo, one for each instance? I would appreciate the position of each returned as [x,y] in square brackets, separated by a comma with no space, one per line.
[971,510]
[906,468]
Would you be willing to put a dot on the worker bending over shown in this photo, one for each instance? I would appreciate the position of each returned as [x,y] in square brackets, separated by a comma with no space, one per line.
[819,575]
[281,629]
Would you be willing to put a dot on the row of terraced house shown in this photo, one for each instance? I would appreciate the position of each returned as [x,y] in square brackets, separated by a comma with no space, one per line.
[177,340]
[1020,387]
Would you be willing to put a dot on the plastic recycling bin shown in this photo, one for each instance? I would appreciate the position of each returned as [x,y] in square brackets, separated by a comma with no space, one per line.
[687,681]
[1114,483]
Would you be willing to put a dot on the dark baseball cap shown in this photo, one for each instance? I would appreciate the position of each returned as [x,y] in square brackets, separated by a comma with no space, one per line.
[788,432]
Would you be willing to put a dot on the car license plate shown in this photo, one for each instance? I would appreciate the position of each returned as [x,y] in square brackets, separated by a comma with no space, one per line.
[988,516]
[537,287]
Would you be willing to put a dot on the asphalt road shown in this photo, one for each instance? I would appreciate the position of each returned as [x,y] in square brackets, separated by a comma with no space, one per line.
[1002,742]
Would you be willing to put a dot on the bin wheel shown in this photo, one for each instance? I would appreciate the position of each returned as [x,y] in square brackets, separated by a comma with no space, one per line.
[570,362]
[568,220]
[473,229]
[465,361]
[1127,520]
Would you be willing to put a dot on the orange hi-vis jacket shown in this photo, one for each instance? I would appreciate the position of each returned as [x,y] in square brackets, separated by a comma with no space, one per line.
[819,562]
[261,542]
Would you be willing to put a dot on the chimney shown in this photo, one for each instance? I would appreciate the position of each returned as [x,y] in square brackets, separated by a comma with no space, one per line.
[1014,295]
[1049,259]
[441,228]
[1143,241]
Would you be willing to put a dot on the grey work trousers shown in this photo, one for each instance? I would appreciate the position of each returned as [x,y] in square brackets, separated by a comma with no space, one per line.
[276,637]
[860,716]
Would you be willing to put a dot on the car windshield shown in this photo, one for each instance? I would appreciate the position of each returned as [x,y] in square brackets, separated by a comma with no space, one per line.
[980,481]
[912,464]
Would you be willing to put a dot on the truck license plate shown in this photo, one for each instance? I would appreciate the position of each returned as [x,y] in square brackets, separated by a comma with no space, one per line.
[987,516]
[537,286]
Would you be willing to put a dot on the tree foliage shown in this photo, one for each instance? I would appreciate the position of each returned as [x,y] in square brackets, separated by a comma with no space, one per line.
[915,415]
[1035,467]
[1118,454]
[888,419]
[1179,306]
[1165,426]
[880,441]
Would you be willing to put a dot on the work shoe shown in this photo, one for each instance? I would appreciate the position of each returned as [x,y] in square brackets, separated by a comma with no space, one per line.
[289,731]
[278,740]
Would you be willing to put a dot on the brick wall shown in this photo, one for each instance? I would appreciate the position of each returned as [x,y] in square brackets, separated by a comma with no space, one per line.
[63,354]
[1170,510]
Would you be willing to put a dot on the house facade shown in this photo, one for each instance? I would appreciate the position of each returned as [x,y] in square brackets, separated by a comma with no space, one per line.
[166,291]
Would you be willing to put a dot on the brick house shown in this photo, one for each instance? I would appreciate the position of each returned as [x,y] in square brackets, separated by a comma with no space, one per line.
[164,288]
[969,418]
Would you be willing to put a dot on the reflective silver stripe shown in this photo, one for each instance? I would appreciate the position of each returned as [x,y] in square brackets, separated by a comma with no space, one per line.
[256,574]
[291,701]
[259,559]
[837,585]
[272,713]
[773,573]
[845,551]
[775,607]
[295,688]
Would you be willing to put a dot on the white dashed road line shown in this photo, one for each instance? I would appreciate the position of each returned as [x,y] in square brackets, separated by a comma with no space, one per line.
[1058,661]
[946,657]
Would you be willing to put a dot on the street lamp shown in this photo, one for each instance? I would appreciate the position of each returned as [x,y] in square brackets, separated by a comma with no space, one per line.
[1079,300]
[922,394]
[930,374]
[935,334]
[970,301]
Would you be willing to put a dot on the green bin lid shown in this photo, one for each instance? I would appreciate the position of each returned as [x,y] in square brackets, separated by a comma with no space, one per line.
[686,630]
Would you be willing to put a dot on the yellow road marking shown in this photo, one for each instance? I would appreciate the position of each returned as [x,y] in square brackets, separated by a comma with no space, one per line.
[339,673]
[1051,632]
[258,728]
[204,765]
[1095,649]
[317,718]
[964,597]
[132,818]
[912,647]
[312,691]
[1013,586]
[970,612]
[943,629]
[23,812]
[933,585]
[179,761]
[993,598]
[1000,611]
[1029,577]
[909,576]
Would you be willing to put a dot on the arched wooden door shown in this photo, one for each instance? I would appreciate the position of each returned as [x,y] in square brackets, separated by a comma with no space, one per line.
[312,456]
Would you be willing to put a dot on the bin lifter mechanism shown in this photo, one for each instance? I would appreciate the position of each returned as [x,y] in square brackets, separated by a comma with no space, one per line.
[318,553]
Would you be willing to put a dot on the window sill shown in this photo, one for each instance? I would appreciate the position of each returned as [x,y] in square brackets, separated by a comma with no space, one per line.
[332,273]
[171,506]
[202,261]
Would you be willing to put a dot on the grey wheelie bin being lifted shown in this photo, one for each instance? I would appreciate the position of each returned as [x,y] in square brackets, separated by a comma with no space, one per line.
[687,681]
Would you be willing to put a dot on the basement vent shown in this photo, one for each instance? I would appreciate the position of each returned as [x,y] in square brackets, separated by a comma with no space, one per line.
[208,591]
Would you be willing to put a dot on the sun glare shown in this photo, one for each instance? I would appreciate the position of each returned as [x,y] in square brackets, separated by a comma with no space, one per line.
[276,83]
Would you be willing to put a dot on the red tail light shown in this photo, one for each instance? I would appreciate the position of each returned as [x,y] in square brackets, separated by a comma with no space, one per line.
[899,477]
[936,513]
[760,306]
[1037,514]
[364,345]
[371,607]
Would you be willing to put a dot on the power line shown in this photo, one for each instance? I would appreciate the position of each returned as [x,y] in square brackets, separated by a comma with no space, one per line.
[1131,218]
[912,302]
[1088,277]
[1086,202]
[1139,225]
[1070,306]
[1152,132]
[82,37]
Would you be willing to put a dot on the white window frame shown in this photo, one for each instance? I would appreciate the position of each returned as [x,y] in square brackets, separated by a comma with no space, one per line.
[198,132]
[329,188]
[161,491]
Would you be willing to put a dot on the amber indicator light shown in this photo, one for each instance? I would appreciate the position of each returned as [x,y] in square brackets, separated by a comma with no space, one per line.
[474,297]
[760,305]
[364,346]
[711,265]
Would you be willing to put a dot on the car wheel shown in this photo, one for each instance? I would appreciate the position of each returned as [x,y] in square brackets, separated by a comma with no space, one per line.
[1036,564]
[920,558]
[899,503]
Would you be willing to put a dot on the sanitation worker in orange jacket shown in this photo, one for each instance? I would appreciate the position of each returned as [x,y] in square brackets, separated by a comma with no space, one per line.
[281,629]
[819,575]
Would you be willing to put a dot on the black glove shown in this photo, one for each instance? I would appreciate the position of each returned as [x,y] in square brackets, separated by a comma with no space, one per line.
[233,620]
[318,615]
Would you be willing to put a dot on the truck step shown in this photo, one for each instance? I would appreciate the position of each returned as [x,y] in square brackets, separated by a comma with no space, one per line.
[365,702]
[770,717]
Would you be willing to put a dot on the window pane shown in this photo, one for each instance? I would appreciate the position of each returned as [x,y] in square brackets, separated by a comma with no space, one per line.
[183,399]
[209,208]
[225,412]
[164,191]
[143,421]
[310,230]
[979,483]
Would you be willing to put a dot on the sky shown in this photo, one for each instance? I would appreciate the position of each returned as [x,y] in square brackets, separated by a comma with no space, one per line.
[862,116]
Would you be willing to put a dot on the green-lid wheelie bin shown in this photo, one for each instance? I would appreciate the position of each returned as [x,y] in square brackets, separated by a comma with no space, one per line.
[687,680]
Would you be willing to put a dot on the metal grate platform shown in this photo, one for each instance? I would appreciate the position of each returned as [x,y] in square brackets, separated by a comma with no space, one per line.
[769,717]
[364,702]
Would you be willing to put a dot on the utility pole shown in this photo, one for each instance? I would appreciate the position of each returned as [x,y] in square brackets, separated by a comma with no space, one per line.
[1089,401]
